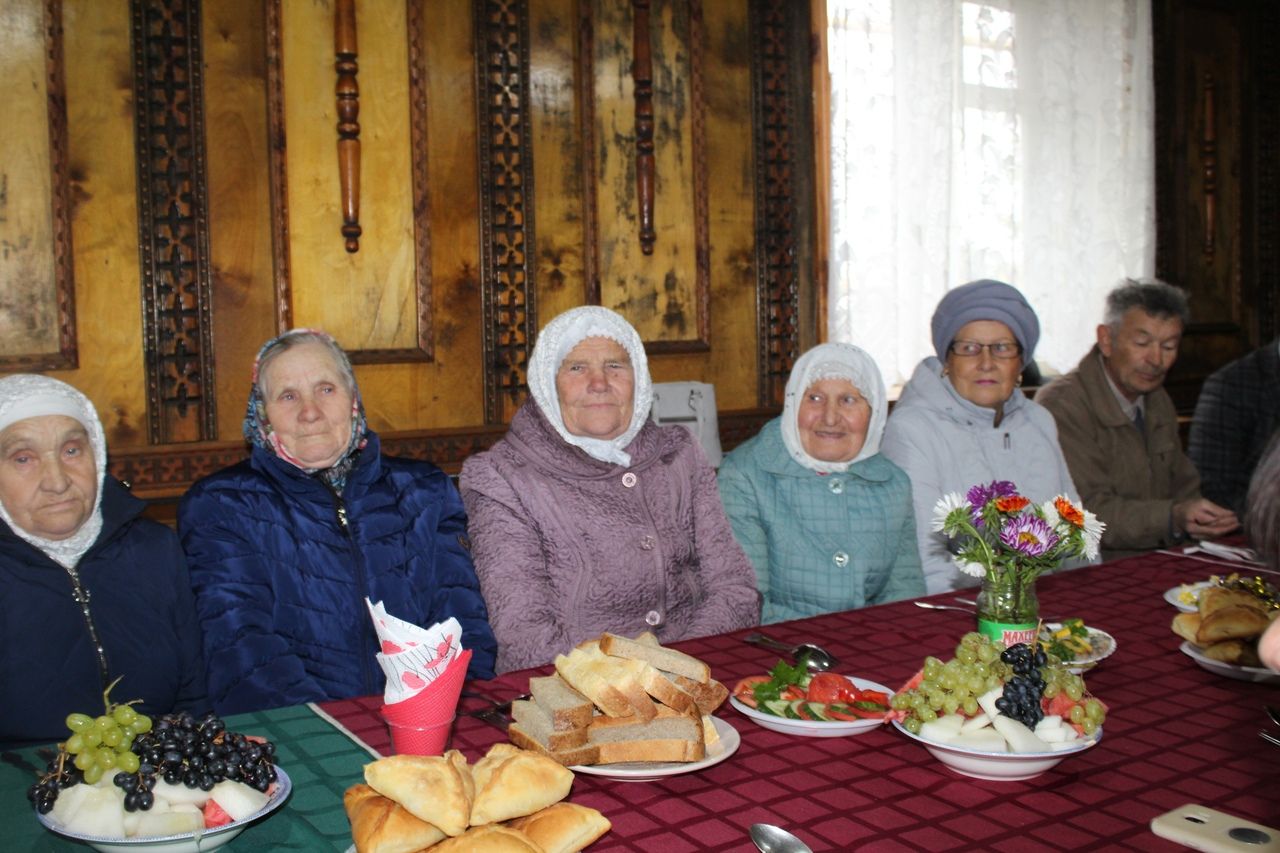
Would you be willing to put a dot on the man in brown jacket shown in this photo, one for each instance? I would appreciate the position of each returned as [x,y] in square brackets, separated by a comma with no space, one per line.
[1119,428]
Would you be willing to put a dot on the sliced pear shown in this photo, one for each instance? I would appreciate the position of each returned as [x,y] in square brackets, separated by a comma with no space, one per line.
[984,740]
[1021,739]
[237,799]
[976,722]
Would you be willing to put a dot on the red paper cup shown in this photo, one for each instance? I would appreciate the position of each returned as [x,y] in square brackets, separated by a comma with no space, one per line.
[435,704]
[428,739]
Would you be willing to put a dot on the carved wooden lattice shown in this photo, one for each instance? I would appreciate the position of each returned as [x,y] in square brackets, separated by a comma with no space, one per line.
[506,201]
[777,291]
[173,233]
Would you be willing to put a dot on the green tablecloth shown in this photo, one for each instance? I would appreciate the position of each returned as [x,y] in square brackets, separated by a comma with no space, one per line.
[320,759]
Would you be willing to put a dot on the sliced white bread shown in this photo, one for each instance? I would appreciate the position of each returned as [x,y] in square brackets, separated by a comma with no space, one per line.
[612,683]
[535,719]
[660,657]
[666,691]
[568,708]
[587,754]
[669,736]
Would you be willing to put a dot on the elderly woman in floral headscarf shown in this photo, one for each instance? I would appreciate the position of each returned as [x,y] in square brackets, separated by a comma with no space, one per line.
[587,517]
[92,591]
[285,546]
[826,520]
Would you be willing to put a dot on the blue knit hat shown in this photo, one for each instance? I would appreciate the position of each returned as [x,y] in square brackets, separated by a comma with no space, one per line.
[985,300]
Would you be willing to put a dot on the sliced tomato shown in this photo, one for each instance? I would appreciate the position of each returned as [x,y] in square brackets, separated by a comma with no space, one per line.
[827,687]
[792,693]
[746,686]
[877,696]
[841,713]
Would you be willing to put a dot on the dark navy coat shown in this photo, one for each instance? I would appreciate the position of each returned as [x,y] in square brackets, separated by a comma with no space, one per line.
[281,566]
[140,601]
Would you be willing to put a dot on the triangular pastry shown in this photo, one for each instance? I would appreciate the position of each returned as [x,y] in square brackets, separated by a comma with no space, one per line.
[512,782]
[380,825]
[434,788]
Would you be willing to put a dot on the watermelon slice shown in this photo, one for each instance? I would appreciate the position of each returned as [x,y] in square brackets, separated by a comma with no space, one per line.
[214,816]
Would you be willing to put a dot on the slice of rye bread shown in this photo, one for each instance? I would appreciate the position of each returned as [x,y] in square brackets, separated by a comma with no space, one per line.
[587,754]
[707,697]
[660,657]
[669,736]
[568,708]
[535,720]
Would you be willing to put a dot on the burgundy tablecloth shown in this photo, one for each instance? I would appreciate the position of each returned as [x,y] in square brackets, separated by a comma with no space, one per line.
[1175,734]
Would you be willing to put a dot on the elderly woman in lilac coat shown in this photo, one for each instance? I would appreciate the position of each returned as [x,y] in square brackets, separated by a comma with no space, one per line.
[587,517]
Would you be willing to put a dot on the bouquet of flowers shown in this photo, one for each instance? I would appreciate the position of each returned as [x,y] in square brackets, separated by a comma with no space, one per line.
[1001,536]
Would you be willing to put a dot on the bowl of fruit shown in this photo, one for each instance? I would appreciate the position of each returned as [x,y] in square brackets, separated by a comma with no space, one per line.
[996,713]
[124,782]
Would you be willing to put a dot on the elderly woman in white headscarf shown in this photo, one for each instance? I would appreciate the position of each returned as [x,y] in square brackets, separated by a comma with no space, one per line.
[587,517]
[826,520]
[92,591]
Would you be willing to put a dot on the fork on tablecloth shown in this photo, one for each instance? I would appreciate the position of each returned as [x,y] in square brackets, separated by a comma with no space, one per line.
[495,713]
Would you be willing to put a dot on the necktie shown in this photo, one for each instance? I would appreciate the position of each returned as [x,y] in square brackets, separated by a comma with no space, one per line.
[1140,422]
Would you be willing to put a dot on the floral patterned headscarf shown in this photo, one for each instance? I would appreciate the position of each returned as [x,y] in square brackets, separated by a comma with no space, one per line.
[257,428]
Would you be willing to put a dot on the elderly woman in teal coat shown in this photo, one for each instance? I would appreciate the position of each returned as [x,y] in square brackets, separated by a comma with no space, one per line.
[826,520]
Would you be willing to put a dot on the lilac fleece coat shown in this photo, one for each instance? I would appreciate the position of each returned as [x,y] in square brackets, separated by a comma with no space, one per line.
[567,547]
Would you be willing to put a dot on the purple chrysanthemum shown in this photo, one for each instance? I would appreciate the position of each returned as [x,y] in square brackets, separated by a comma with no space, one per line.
[1028,535]
[979,495]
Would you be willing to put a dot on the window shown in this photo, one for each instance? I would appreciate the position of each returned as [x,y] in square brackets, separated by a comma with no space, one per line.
[972,140]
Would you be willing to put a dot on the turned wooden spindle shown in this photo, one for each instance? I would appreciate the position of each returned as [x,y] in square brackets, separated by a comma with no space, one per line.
[347,92]
[642,73]
[1209,161]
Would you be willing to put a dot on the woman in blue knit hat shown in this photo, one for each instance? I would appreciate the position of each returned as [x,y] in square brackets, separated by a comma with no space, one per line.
[963,420]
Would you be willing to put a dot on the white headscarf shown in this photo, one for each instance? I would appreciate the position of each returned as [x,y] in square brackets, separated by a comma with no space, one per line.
[28,395]
[827,361]
[554,343]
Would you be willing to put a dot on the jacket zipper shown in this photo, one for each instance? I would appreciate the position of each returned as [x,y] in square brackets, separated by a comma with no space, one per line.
[81,596]
[340,509]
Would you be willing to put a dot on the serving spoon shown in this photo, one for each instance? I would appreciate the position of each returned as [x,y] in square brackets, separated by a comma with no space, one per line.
[816,658]
[774,839]
[929,606]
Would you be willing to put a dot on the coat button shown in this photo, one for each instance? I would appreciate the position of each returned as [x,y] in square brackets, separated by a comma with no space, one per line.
[628,479]
[647,542]
[836,486]
[653,618]
[840,558]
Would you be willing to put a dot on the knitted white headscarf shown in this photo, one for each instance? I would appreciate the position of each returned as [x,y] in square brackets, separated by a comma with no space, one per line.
[28,395]
[554,343]
[827,361]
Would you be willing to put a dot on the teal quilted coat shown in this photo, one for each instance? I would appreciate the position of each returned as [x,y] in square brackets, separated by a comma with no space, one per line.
[820,542]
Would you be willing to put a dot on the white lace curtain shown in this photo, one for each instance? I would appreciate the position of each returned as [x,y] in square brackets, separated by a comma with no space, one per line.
[972,140]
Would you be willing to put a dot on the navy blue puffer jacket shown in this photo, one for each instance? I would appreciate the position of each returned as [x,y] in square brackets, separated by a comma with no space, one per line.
[281,567]
[140,601]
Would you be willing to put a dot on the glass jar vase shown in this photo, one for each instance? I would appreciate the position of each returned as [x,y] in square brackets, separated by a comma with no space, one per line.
[1008,611]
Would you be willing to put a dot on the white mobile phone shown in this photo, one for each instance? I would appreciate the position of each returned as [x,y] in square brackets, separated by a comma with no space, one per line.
[1202,828]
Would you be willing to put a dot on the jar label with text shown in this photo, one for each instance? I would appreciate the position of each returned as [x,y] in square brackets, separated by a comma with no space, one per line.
[1008,633]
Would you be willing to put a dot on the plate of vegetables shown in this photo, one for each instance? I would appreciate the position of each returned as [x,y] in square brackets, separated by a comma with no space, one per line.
[794,701]
[1077,645]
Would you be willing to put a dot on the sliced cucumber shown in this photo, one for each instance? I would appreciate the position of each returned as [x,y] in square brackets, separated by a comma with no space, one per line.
[777,707]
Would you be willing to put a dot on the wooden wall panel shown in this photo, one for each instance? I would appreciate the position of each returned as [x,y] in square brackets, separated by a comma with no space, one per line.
[239,198]
[367,299]
[663,293]
[100,114]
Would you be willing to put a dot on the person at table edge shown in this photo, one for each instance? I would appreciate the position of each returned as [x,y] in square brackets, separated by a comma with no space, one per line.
[963,420]
[1262,526]
[587,517]
[826,519]
[92,591]
[1237,413]
[1119,427]
[285,546]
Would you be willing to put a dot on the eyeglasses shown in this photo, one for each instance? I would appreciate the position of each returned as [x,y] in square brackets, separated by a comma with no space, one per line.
[973,349]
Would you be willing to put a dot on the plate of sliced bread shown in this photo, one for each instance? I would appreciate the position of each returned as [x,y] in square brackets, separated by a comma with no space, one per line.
[625,708]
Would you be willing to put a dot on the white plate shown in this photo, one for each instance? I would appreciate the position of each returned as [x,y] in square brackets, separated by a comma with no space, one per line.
[1174,595]
[814,728]
[210,839]
[1230,670]
[647,771]
[998,766]
[1104,645]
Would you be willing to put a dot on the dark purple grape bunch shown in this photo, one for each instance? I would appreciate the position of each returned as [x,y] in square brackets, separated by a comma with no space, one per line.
[1022,693]
[58,774]
[197,752]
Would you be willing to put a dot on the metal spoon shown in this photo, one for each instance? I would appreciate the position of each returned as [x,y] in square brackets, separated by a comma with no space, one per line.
[929,606]
[773,839]
[816,658]
[1274,713]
